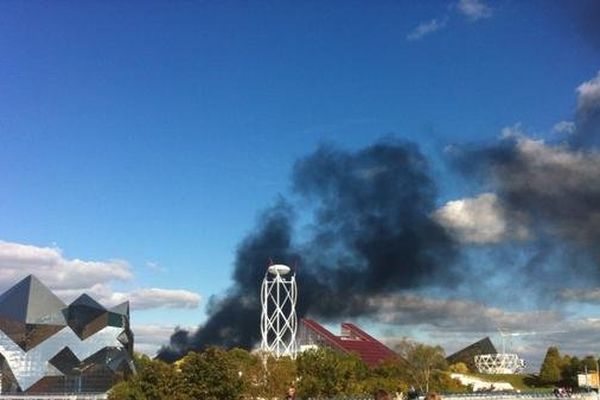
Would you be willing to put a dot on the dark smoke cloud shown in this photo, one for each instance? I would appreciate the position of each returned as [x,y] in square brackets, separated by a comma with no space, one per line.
[555,185]
[233,320]
[587,15]
[372,230]
[370,233]
[579,17]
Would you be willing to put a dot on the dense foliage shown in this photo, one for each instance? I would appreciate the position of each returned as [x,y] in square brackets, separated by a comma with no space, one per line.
[550,369]
[322,373]
[327,373]
[563,370]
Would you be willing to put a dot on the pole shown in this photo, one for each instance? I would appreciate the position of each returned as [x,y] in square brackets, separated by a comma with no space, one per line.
[598,379]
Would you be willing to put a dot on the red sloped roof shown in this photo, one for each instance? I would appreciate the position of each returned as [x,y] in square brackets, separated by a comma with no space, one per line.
[354,340]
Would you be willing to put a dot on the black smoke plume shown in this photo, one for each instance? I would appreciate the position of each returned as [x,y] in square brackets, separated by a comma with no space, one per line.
[370,233]
[554,186]
[586,15]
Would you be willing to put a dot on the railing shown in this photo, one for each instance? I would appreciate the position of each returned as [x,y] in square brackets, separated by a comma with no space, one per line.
[486,395]
[516,396]
[56,396]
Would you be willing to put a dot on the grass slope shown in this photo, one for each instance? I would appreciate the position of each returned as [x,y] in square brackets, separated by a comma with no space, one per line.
[522,382]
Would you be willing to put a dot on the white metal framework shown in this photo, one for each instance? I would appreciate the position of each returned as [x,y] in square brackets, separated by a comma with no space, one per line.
[278,321]
[499,363]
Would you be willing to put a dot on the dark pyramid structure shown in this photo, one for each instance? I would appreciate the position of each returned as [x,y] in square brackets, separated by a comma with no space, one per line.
[86,301]
[122,309]
[86,316]
[30,302]
[467,355]
[117,315]
[65,361]
[30,313]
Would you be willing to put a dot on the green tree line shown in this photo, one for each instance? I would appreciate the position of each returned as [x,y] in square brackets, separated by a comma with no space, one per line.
[557,369]
[217,374]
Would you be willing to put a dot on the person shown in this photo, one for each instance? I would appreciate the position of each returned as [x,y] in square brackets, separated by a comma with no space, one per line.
[433,396]
[382,395]
[412,393]
[291,394]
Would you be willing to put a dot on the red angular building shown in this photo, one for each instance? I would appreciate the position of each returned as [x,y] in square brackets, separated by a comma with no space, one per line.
[311,334]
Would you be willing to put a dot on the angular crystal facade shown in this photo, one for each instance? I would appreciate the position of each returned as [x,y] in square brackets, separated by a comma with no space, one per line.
[49,347]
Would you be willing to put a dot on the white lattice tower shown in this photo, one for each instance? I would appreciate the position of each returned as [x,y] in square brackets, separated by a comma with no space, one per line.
[278,322]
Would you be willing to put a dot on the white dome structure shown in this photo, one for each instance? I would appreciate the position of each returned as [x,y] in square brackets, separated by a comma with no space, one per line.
[499,363]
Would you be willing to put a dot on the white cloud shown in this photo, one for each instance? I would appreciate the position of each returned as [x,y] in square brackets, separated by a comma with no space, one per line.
[139,299]
[564,127]
[480,220]
[69,278]
[582,295]
[48,264]
[155,267]
[143,299]
[426,28]
[549,162]
[589,95]
[474,9]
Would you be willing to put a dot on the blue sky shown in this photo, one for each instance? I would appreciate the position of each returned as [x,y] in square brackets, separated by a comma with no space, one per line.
[154,133]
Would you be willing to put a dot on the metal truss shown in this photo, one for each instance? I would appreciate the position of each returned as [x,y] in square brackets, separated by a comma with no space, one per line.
[278,322]
[500,363]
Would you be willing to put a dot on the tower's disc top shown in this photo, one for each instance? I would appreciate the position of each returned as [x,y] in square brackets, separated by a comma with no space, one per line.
[279,269]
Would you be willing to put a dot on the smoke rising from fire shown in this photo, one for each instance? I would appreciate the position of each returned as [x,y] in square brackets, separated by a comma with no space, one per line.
[552,189]
[375,231]
[371,232]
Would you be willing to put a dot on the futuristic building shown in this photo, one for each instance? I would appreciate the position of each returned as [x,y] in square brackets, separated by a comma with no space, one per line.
[499,363]
[278,321]
[352,340]
[467,355]
[483,357]
[49,347]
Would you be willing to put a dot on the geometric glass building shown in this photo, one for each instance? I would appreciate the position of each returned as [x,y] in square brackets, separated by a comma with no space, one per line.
[49,347]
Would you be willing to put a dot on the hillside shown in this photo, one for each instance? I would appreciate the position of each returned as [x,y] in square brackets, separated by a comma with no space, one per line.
[520,382]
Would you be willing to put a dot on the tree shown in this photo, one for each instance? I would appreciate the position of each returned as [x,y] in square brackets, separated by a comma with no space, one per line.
[154,380]
[390,375]
[325,373]
[550,371]
[588,362]
[459,368]
[263,375]
[279,375]
[126,390]
[569,369]
[248,367]
[210,375]
[423,361]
